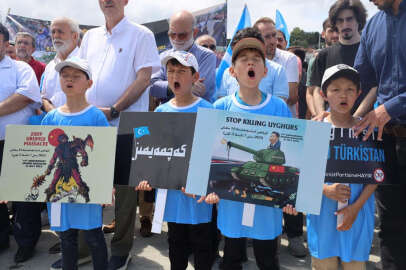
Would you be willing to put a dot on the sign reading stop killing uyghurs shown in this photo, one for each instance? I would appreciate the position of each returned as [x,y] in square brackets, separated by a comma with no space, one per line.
[259,159]
[351,160]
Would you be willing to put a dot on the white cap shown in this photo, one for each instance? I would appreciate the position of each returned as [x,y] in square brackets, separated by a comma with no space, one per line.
[336,70]
[75,62]
[185,58]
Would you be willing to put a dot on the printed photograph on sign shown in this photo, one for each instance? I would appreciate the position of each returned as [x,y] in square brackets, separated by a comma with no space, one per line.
[58,164]
[259,159]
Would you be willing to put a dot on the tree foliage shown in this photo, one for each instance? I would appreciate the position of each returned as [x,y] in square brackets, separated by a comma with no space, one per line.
[298,37]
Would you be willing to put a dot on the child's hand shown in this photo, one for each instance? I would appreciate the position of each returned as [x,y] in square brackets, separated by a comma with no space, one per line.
[143,185]
[188,194]
[199,88]
[320,117]
[337,192]
[5,202]
[290,210]
[350,214]
[212,198]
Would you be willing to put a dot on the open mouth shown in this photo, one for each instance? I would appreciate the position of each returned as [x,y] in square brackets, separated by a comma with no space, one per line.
[251,74]
[176,85]
[343,103]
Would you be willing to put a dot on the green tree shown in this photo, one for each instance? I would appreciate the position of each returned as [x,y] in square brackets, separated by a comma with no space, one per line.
[298,37]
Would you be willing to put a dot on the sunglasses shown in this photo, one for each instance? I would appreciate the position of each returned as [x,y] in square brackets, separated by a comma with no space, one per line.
[180,36]
[211,46]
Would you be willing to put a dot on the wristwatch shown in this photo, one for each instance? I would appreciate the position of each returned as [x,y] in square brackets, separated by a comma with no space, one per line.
[114,113]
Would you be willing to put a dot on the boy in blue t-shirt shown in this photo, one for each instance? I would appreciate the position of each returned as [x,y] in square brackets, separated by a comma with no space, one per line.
[75,79]
[188,217]
[350,239]
[248,67]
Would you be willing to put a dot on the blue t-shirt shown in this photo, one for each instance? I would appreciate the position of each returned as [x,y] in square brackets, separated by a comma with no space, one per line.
[267,220]
[325,241]
[77,216]
[180,208]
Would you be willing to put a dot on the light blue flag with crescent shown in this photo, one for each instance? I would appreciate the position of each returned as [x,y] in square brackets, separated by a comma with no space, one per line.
[281,25]
[141,131]
[245,21]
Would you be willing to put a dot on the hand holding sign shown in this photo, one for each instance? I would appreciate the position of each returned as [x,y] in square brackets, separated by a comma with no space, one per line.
[337,192]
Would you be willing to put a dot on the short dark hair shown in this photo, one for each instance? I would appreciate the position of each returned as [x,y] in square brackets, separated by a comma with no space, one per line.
[283,34]
[355,5]
[276,133]
[327,24]
[248,32]
[4,32]
[175,62]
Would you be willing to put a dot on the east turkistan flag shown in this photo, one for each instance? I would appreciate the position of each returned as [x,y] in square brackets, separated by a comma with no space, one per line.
[281,25]
[245,21]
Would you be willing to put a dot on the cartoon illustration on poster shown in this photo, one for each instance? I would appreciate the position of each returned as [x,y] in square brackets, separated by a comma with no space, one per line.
[352,160]
[58,164]
[259,159]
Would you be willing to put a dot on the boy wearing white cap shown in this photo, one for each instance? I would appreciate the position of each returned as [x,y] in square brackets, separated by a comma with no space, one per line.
[75,79]
[188,216]
[351,239]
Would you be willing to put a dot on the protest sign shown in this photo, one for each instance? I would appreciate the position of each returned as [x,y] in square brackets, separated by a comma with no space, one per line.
[351,160]
[259,159]
[162,144]
[58,164]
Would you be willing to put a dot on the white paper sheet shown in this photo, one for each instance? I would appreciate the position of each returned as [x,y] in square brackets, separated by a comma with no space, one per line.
[159,210]
[55,214]
[248,214]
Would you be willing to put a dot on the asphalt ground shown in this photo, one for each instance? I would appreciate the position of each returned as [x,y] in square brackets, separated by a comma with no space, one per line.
[152,252]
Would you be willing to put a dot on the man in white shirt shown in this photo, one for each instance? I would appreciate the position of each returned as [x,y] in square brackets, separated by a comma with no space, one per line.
[122,56]
[19,97]
[65,34]
[286,59]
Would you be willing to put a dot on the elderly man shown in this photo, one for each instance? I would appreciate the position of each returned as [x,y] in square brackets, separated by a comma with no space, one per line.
[286,59]
[65,35]
[381,63]
[25,47]
[122,55]
[18,99]
[182,31]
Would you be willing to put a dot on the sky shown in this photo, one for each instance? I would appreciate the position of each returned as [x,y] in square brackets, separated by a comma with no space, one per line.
[306,14]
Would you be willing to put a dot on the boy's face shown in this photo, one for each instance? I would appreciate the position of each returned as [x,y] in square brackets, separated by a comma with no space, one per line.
[249,68]
[341,95]
[74,82]
[273,138]
[180,78]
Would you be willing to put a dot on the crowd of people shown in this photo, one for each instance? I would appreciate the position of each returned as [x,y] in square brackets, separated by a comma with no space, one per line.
[357,81]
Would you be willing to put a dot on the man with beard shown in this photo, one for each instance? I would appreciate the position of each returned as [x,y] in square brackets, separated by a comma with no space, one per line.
[25,47]
[330,36]
[381,63]
[182,31]
[122,56]
[349,17]
[65,35]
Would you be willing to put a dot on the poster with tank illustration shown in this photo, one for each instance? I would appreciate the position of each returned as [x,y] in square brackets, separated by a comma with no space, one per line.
[259,159]
[353,160]
[58,164]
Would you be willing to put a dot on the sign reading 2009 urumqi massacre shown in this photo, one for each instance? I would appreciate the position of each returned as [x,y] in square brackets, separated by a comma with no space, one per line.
[351,160]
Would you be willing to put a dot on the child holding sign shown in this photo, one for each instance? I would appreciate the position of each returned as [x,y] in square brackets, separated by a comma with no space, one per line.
[349,239]
[76,78]
[248,67]
[188,217]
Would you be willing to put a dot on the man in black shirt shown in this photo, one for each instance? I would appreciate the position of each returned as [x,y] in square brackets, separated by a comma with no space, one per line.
[349,17]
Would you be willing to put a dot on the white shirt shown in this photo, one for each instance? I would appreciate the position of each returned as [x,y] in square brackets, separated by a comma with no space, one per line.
[115,59]
[51,86]
[17,77]
[289,61]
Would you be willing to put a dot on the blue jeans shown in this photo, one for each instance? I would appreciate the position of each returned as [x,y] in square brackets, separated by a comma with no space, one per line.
[97,245]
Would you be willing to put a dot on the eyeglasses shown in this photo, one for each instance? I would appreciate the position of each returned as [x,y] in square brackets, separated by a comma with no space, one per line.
[211,46]
[180,36]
